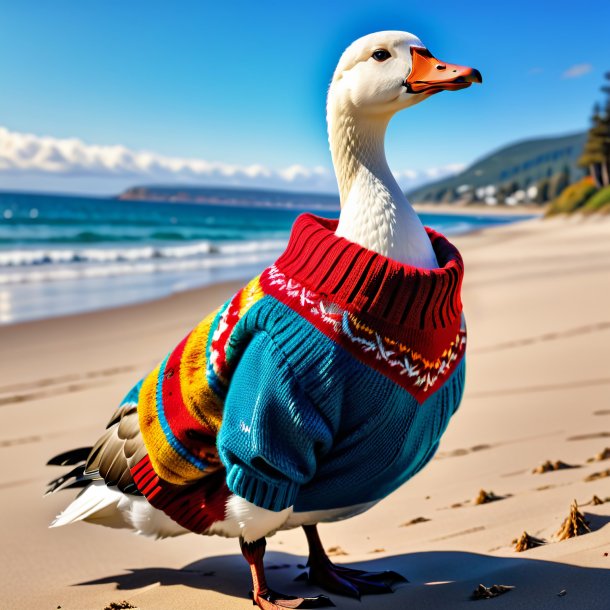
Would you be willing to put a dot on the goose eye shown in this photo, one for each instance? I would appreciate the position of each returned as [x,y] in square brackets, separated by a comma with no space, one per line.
[381,55]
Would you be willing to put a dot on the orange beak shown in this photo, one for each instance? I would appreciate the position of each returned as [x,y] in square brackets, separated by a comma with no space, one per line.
[429,75]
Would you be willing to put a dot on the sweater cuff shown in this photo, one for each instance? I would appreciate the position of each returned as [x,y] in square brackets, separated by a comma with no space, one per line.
[272,495]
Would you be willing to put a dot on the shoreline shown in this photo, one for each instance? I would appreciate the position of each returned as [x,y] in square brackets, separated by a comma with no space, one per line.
[127,310]
[479,209]
[535,298]
[45,298]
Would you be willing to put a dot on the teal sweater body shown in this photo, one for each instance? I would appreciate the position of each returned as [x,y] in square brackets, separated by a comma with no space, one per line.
[307,425]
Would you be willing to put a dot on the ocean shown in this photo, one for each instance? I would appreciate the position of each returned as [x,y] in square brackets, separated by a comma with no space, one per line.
[62,254]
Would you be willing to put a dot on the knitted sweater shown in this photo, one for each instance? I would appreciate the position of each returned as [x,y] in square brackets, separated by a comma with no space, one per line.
[326,382]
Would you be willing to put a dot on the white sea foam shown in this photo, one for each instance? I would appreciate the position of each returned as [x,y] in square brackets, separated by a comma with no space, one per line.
[105,255]
[27,267]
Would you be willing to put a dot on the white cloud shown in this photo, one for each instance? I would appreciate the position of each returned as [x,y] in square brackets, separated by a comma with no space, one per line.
[29,154]
[410,178]
[577,70]
[28,161]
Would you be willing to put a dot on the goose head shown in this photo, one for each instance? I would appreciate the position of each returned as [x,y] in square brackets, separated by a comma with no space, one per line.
[384,72]
[377,76]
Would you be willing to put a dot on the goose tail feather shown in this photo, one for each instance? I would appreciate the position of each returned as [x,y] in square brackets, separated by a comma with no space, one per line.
[95,502]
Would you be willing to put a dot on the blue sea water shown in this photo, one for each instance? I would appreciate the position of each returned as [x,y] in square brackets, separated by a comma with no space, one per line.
[64,254]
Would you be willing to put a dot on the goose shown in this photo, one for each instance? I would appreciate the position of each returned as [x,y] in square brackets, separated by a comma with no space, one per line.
[321,386]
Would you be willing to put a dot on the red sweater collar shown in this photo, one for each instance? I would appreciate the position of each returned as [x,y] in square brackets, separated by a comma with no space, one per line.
[371,285]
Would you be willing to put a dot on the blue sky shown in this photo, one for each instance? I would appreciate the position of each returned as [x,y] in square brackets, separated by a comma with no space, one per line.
[243,83]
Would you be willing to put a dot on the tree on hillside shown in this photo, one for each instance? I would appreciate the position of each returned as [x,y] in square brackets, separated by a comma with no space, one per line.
[558,182]
[542,191]
[596,154]
[512,187]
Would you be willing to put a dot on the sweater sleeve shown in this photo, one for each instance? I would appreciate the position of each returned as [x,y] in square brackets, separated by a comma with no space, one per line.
[271,435]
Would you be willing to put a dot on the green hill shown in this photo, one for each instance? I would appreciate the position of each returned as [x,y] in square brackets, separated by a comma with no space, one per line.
[511,168]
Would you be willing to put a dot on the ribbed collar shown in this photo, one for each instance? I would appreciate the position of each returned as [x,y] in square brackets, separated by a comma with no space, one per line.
[373,286]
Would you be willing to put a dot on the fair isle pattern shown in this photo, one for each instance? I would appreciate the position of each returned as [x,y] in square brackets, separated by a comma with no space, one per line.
[181,401]
[221,347]
[417,374]
[425,374]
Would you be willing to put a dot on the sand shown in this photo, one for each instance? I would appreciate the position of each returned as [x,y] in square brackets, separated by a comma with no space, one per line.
[538,388]
[476,209]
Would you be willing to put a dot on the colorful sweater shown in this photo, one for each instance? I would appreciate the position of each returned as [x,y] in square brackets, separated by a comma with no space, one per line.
[326,382]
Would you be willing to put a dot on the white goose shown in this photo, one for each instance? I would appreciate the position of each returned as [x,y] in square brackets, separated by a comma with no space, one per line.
[377,76]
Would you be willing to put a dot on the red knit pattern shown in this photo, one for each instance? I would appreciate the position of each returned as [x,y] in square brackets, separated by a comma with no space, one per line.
[195,507]
[405,310]
[377,288]
[184,426]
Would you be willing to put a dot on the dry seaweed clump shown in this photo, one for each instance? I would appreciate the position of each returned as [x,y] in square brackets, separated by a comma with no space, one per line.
[601,456]
[483,592]
[574,524]
[124,605]
[485,497]
[549,466]
[526,542]
[598,475]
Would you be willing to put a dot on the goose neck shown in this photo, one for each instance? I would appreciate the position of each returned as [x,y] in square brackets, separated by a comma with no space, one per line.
[374,211]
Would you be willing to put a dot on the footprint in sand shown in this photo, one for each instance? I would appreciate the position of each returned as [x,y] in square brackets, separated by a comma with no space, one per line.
[441,455]
[414,521]
[587,437]
[24,440]
[471,530]
[545,487]
[598,475]
[57,386]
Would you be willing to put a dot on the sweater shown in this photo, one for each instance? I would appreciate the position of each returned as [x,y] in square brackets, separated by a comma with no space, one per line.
[326,382]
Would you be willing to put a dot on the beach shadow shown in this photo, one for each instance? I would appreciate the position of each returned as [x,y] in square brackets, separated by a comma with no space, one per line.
[596,522]
[438,580]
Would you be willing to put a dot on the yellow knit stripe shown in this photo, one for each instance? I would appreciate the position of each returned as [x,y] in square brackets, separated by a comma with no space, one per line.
[252,293]
[167,463]
[199,399]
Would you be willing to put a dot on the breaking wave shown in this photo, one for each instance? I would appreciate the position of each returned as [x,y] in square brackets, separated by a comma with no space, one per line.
[52,264]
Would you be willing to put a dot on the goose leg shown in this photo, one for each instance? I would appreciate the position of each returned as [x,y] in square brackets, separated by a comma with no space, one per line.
[266,598]
[343,580]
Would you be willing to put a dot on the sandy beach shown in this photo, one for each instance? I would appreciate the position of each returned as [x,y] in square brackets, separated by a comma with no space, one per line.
[476,209]
[536,299]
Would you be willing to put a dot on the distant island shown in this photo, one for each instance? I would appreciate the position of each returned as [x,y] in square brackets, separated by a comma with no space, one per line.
[232,196]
